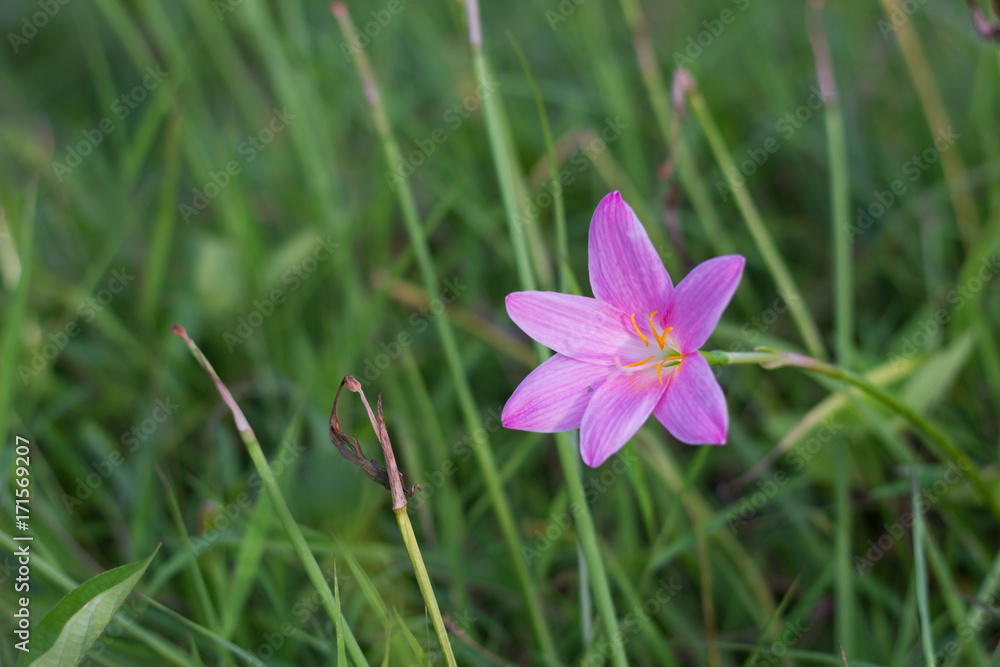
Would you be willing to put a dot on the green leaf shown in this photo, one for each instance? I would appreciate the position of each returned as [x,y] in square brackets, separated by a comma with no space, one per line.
[69,630]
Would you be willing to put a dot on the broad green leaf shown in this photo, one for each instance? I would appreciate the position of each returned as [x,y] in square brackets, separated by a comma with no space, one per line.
[69,630]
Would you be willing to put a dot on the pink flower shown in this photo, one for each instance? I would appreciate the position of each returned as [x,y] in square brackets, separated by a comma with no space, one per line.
[630,351]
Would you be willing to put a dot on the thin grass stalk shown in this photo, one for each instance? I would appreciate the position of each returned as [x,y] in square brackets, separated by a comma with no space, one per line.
[840,188]
[285,517]
[936,113]
[920,573]
[16,308]
[424,582]
[483,452]
[568,453]
[701,201]
[758,230]
[840,202]
[403,520]
[567,281]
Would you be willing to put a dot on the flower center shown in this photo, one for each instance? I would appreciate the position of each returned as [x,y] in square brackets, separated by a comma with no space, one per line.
[669,355]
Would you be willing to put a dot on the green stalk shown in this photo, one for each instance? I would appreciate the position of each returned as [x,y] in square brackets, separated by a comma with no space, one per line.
[569,459]
[567,281]
[295,536]
[449,503]
[16,310]
[920,565]
[424,581]
[840,202]
[701,201]
[758,230]
[936,113]
[501,161]
[403,519]
[339,621]
[840,189]
[934,436]
[459,376]
[569,456]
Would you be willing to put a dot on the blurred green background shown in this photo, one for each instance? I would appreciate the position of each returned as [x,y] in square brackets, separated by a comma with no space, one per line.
[215,164]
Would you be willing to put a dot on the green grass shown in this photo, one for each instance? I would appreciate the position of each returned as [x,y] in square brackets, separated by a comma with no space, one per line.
[351,256]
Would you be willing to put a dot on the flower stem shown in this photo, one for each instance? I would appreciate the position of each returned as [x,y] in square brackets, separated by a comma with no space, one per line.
[569,458]
[424,581]
[934,436]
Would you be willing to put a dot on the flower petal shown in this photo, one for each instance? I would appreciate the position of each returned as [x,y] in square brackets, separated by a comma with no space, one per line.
[698,301]
[625,269]
[553,396]
[577,326]
[619,407]
[694,408]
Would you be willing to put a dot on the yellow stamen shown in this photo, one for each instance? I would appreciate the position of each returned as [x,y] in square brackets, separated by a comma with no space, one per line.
[644,340]
[663,361]
[663,339]
[660,340]
[639,363]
